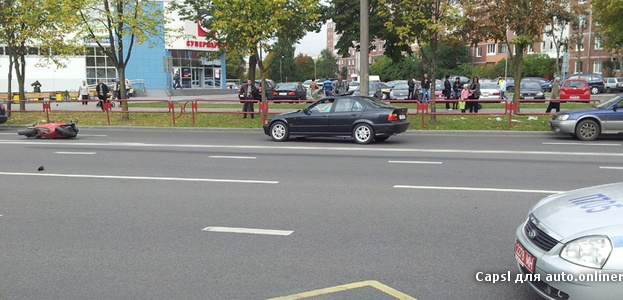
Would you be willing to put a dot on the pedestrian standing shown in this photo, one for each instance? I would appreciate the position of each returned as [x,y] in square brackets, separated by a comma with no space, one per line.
[128,87]
[340,86]
[411,85]
[314,88]
[474,94]
[327,86]
[457,87]
[250,92]
[502,88]
[464,96]
[102,93]
[555,96]
[176,80]
[83,93]
[447,91]
[425,85]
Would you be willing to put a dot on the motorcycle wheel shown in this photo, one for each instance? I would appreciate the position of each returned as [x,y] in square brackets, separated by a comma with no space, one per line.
[66,131]
[28,132]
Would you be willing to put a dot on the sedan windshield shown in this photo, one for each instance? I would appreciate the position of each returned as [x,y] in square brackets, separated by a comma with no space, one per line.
[286,87]
[401,86]
[531,85]
[609,102]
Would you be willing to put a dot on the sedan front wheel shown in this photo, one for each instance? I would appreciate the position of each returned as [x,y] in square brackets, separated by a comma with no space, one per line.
[279,132]
[587,130]
[363,133]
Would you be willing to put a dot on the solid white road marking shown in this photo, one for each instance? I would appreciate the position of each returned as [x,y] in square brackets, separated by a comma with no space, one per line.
[414,162]
[232,157]
[77,153]
[248,230]
[98,135]
[610,168]
[581,144]
[141,178]
[363,149]
[475,189]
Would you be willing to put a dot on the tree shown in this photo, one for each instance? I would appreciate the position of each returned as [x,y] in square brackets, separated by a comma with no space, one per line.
[538,64]
[124,23]
[608,15]
[561,18]
[305,67]
[495,20]
[579,23]
[326,65]
[36,27]
[252,26]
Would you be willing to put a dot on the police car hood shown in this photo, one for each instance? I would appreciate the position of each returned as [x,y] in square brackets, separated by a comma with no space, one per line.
[582,210]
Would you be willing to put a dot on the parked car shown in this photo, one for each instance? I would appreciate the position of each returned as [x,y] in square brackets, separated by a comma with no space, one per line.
[546,85]
[577,88]
[290,91]
[307,83]
[374,90]
[401,90]
[439,90]
[489,91]
[595,81]
[3,116]
[572,243]
[588,123]
[462,78]
[270,88]
[366,119]
[614,84]
[531,89]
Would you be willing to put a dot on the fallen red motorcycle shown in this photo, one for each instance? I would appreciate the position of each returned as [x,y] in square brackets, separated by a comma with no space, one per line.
[52,130]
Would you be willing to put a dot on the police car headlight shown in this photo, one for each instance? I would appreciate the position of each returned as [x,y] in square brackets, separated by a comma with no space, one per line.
[563,117]
[590,251]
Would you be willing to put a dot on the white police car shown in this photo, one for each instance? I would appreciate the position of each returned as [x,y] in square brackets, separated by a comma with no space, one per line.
[571,245]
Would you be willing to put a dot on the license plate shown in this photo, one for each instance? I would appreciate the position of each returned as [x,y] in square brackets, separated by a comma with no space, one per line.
[402,117]
[524,257]
[574,97]
[283,94]
[528,97]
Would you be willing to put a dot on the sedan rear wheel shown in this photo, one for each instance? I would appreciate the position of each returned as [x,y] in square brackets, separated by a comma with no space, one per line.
[363,133]
[594,90]
[587,130]
[279,132]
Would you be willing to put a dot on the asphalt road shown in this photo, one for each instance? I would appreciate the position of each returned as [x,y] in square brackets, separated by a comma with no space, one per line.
[135,213]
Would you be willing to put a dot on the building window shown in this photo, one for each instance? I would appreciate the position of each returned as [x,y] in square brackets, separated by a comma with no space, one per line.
[491,49]
[578,67]
[597,67]
[581,1]
[478,51]
[598,43]
[99,66]
[579,47]
[530,49]
[502,48]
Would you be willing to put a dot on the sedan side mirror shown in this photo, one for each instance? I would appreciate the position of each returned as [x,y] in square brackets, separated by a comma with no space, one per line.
[616,106]
[306,111]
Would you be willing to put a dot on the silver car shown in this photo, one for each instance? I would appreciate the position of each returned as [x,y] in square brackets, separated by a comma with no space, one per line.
[571,245]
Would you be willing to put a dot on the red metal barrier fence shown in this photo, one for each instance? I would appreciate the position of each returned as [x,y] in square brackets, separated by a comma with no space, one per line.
[192,108]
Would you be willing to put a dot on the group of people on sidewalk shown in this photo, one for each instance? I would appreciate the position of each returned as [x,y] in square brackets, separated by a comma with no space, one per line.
[465,93]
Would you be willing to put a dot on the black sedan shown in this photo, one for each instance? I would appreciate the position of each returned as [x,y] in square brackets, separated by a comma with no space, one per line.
[531,89]
[3,117]
[290,91]
[364,118]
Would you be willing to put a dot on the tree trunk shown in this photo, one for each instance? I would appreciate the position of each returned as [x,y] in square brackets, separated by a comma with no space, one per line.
[9,90]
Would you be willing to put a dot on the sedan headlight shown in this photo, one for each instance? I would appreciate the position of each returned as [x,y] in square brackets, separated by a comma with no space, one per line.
[563,117]
[590,251]
[539,94]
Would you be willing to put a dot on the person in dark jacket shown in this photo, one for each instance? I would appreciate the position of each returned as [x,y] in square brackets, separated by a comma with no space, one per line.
[102,93]
[425,85]
[411,84]
[457,87]
[250,92]
[447,91]
[474,94]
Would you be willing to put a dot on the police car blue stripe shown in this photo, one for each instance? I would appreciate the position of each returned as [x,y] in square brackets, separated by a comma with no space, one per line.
[617,241]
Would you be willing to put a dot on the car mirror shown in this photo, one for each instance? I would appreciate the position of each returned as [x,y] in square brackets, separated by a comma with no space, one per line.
[616,106]
[306,111]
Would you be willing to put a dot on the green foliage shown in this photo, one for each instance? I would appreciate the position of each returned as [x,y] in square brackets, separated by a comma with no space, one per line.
[304,66]
[389,69]
[326,65]
[539,65]
[608,14]
[485,71]
[251,27]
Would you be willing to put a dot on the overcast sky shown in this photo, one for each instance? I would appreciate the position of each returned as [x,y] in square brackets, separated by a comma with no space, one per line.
[313,43]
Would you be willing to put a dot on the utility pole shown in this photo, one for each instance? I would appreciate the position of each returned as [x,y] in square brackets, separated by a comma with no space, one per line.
[364,41]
